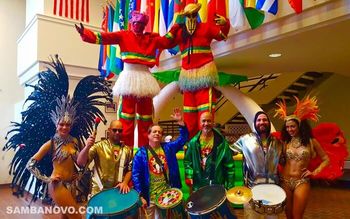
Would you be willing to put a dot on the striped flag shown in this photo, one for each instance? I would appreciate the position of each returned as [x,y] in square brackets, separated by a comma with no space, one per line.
[103,51]
[73,9]
[255,17]
[270,6]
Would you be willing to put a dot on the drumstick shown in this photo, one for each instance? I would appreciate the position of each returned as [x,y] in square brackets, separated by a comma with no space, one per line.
[97,122]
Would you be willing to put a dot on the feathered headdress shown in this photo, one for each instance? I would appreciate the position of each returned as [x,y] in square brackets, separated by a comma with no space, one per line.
[50,103]
[305,109]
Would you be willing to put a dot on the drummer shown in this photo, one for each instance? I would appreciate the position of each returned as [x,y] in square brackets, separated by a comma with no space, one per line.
[112,160]
[208,159]
[155,166]
[261,151]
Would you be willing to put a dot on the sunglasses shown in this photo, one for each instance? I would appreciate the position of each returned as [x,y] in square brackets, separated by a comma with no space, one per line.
[117,130]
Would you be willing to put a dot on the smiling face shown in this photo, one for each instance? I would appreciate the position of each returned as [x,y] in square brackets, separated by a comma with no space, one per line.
[63,128]
[155,135]
[292,127]
[262,124]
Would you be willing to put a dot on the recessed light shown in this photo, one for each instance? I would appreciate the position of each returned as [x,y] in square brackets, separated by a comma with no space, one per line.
[275,55]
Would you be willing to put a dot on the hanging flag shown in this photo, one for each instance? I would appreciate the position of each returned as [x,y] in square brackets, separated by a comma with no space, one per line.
[65,8]
[203,12]
[103,53]
[156,16]
[297,5]
[163,17]
[236,14]
[270,6]
[255,17]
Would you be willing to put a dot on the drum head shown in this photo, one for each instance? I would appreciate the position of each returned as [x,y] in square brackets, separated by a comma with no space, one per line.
[112,202]
[205,199]
[269,194]
[169,198]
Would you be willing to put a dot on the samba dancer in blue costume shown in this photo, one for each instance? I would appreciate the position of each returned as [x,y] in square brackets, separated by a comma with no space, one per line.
[66,122]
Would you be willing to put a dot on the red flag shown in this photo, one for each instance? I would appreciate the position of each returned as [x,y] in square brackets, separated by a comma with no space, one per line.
[297,5]
[216,7]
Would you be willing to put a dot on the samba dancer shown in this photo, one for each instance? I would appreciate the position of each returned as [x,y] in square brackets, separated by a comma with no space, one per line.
[299,148]
[261,154]
[112,160]
[155,165]
[208,158]
[54,115]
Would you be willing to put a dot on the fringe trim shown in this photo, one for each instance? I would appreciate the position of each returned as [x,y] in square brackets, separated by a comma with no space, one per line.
[199,78]
[136,80]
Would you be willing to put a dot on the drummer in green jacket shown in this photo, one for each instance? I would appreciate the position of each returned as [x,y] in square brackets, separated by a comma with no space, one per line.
[208,159]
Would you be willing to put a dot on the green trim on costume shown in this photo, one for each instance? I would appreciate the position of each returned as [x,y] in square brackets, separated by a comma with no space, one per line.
[226,79]
[145,118]
[167,76]
[98,38]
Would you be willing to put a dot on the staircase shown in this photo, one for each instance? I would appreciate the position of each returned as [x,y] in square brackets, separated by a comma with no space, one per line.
[299,88]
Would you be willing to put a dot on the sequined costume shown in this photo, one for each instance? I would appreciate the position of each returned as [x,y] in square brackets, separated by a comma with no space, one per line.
[50,110]
[111,164]
[259,166]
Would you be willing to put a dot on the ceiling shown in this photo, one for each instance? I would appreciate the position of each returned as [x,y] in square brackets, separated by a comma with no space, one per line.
[325,49]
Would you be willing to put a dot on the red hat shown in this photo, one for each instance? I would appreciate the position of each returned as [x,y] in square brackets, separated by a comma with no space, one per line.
[137,16]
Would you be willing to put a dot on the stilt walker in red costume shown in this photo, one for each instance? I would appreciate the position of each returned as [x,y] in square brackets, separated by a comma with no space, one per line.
[198,74]
[135,85]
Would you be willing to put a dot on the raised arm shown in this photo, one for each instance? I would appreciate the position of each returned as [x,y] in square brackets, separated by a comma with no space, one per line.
[182,139]
[222,28]
[105,38]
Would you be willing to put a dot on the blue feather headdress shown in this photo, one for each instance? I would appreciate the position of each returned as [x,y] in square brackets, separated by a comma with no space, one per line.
[49,102]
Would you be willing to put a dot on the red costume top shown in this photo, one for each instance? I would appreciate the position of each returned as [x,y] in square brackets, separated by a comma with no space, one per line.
[200,53]
[135,49]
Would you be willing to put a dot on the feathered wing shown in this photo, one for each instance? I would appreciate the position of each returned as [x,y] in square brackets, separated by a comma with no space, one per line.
[91,92]
[36,128]
[333,142]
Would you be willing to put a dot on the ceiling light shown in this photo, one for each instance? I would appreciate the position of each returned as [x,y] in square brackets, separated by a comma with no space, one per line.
[275,55]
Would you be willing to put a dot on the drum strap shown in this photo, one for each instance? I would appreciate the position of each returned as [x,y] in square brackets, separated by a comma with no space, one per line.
[121,165]
[159,162]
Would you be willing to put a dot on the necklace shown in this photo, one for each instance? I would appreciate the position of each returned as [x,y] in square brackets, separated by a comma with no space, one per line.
[295,142]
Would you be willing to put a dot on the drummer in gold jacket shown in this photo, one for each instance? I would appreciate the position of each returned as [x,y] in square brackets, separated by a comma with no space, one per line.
[208,158]
[113,160]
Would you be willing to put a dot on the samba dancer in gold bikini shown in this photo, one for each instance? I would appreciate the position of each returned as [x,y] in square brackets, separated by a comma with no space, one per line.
[299,149]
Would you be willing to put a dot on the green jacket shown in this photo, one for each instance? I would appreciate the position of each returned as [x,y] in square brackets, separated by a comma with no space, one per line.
[224,165]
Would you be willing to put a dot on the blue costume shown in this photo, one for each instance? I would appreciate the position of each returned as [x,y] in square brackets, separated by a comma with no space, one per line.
[140,169]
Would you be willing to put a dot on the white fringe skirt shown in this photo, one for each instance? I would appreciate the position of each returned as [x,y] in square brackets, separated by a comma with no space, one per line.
[136,80]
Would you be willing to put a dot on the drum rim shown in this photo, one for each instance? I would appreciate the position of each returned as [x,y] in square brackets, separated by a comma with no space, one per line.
[170,206]
[210,209]
[269,184]
[118,213]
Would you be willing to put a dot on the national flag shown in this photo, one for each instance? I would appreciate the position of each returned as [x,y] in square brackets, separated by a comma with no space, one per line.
[103,53]
[236,14]
[163,17]
[156,16]
[297,5]
[255,17]
[203,12]
[270,6]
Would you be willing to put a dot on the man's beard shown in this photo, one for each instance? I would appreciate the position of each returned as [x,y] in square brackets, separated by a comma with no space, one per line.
[265,131]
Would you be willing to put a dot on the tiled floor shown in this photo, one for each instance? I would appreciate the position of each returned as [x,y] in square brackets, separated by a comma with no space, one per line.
[326,202]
